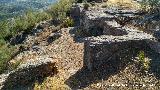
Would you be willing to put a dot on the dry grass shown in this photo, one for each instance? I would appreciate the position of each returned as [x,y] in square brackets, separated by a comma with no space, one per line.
[52,83]
[122,4]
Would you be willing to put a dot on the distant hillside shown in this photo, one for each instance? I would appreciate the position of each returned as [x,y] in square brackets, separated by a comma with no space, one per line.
[11,8]
[9,1]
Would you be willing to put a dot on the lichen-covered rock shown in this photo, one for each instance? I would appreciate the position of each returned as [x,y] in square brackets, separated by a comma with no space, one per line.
[29,72]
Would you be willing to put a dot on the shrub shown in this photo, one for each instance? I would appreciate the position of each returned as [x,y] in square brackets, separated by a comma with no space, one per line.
[144,62]
[4,29]
[5,55]
[41,16]
[68,22]
[59,10]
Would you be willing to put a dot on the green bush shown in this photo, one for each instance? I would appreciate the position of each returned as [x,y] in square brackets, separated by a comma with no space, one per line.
[5,55]
[68,22]
[4,29]
[59,10]
[28,21]
[144,62]
[22,23]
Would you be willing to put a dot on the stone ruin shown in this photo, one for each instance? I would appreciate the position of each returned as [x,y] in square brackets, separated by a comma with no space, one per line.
[108,39]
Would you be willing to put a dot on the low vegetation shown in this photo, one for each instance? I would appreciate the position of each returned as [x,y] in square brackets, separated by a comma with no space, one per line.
[12,8]
[143,61]
[52,83]
[121,4]
[68,22]
[59,10]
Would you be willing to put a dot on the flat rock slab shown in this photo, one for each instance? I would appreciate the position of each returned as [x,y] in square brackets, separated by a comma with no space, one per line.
[114,11]
[110,13]
[97,18]
[131,36]
[98,13]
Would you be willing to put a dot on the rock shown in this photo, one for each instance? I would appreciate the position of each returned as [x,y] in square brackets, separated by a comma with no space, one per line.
[104,48]
[43,25]
[101,18]
[108,40]
[53,37]
[55,22]
[19,38]
[29,72]
[156,34]
[115,11]
[75,13]
[154,45]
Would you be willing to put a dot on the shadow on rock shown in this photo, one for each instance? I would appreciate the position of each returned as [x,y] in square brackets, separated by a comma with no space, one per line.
[28,74]
[78,34]
[154,63]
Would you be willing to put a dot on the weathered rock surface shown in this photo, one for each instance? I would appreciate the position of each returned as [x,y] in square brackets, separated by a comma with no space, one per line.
[103,48]
[108,36]
[28,72]
[98,18]
[21,37]
[53,36]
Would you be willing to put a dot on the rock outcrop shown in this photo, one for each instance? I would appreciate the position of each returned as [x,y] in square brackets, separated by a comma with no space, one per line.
[109,36]
[101,49]
[107,40]
[28,72]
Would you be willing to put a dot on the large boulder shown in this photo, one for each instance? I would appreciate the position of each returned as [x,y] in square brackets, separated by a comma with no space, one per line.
[101,49]
[27,73]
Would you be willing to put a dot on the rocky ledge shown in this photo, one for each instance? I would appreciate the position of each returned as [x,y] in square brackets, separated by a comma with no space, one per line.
[29,72]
